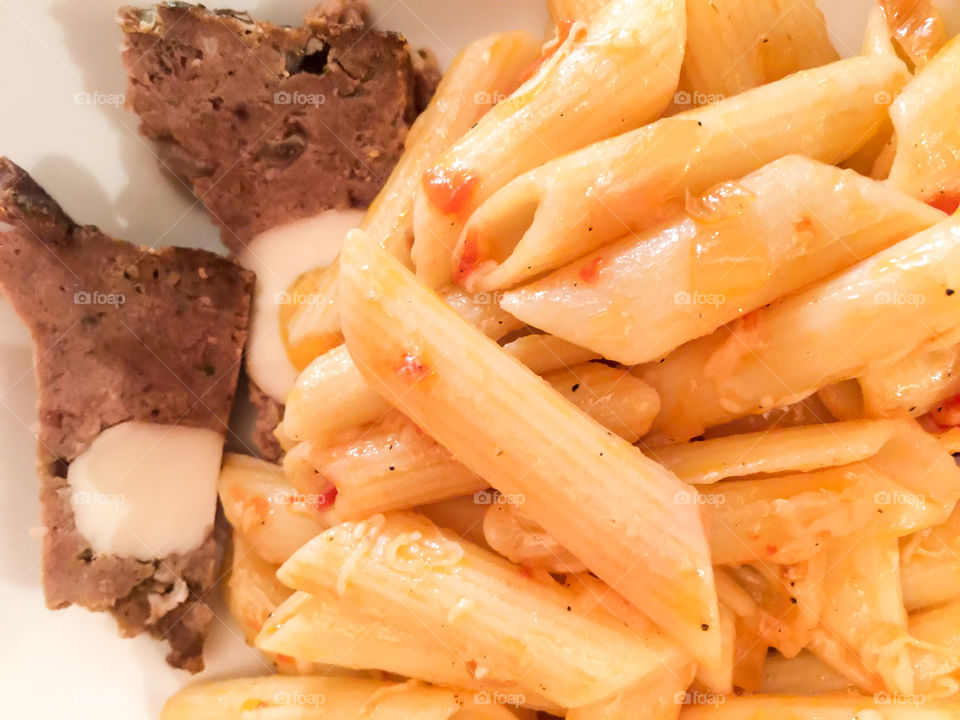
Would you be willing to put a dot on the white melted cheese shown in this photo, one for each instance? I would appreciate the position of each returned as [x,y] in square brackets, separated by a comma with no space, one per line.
[146,490]
[279,256]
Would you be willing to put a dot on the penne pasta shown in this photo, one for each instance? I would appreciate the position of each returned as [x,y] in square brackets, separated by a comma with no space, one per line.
[331,394]
[780,707]
[881,308]
[805,674]
[327,698]
[844,400]
[735,45]
[721,679]
[393,465]
[463,515]
[502,624]
[787,519]
[914,384]
[273,517]
[930,565]
[613,397]
[561,10]
[835,653]
[322,628]
[928,141]
[738,247]
[613,72]
[512,534]
[544,353]
[864,607]
[917,27]
[936,650]
[621,514]
[252,590]
[568,207]
[481,75]
[803,448]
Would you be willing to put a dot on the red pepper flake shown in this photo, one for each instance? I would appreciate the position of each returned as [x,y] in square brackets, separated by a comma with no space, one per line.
[411,367]
[284,659]
[469,257]
[261,506]
[327,498]
[450,190]
[771,549]
[526,571]
[948,202]
[803,225]
[750,322]
[590,273]
[563,32]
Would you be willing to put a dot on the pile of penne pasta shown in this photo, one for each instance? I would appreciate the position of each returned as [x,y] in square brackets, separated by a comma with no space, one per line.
[635,395]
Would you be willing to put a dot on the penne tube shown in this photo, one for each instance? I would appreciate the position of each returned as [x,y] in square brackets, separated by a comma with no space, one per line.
[544,353]
[502,624]
[561,10]
[917,27]
[735,45]
[512,534]
[809,411]
[613,397]
[805,674]
[273,517]
[252,590]
[928,141]
[652,699]
[844,400]
[881,308]
[252,593]
[610,73]
[331,394]
[393,465]
[864,607]
[787,519]
[914,384]
[481,75]
[930,565]
[463,515]
[835,653]
[803,448]
[919,464]
[327,698]
[738,247]
[626,518]
[720,679]
[322,628]
[781,707]
[772,610]
[549,216]
[936,650]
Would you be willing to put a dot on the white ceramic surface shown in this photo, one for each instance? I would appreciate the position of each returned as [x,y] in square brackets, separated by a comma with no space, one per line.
[53,55]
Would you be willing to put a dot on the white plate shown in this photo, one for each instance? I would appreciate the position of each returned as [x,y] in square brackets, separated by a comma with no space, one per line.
[53,54]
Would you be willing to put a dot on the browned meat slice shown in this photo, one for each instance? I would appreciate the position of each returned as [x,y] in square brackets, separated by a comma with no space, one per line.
[121,333]
[272,124]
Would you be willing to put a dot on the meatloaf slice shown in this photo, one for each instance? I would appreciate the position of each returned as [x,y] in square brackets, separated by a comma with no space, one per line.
[272,124]
[120,333]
